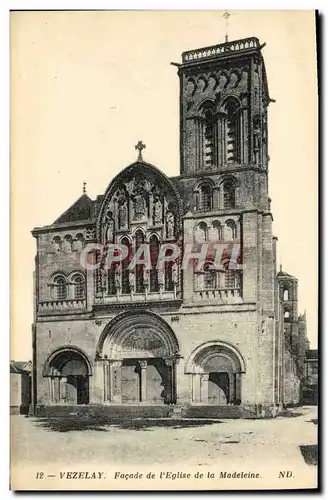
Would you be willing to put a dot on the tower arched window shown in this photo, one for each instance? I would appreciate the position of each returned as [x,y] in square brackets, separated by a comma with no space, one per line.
[232,278]
[78,242]
[286,294]
[229,194]
[154,251]
[206,195]
[230,230]
[56,244]
[232,131]
[125,266]
[210,277]
[286,315]
[209,138]
[201,233]
[78,286]
[60,288]
[216,231]
[68,243]
[140,286]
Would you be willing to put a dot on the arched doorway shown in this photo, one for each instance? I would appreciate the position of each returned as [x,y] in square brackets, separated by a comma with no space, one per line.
[216,370]
[68,370]
[139,352]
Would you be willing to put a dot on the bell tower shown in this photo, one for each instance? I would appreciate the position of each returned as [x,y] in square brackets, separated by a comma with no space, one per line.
[223,108]
[223,178]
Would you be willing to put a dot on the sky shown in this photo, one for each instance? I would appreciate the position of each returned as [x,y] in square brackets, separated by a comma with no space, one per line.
[87,86]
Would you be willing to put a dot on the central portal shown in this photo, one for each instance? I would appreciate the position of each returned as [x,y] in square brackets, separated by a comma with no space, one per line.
[139,352]
[146,381]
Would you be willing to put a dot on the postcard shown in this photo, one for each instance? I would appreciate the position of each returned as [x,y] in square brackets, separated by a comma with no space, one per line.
[164,197]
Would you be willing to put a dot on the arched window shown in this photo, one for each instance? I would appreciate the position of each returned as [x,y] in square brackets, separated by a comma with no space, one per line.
[168,276]
[201,233]
[206,198]
[209,127]
[154,251]
[68,243]
[78,286]
[286,315]
[111,278]
[78,243]
[286,294]
[230,230]
[209,138]
[125,266]
[60,288]
[140,286]
[56,244]
[210,277]
[229,194]
[232,131]
[232,279]
[216,231]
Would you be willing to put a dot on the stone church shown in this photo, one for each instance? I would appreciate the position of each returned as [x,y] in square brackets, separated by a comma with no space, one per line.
[195,340]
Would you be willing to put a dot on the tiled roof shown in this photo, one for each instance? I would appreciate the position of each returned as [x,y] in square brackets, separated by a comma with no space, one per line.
[80,210]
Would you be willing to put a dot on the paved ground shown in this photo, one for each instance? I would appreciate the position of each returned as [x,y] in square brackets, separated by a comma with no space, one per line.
[192,442]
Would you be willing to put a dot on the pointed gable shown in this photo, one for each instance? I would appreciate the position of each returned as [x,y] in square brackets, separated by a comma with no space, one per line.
[80,210]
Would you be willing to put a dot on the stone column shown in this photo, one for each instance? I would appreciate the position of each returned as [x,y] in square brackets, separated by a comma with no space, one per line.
[106,380]
[63,389]
[238,387]
[51,389]
[232,395]
[57,390]
[116,381]
[204,388]
[143,377]
[216,197]
[196,388]
[171,396]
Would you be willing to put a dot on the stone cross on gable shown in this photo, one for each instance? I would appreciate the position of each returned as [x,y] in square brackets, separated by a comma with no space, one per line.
[140,146]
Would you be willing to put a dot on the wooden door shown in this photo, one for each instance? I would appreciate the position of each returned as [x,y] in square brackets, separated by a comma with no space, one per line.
[130,382]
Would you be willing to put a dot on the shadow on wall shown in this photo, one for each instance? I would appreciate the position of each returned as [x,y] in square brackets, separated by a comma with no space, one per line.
[105,424]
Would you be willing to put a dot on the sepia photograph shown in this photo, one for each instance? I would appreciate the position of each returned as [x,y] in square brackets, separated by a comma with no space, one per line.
[164,250]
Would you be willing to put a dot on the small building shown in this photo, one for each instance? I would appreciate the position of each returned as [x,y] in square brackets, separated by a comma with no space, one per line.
[20,386]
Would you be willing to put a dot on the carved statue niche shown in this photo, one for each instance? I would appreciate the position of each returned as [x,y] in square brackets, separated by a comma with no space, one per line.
[175,273]
[157,210]
[131,280]
[169,222]
[109,225]
[139,207]
[122,213]
[117,278]
[139,198]
[161,277]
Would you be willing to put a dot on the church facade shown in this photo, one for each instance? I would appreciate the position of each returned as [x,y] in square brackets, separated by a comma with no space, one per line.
[196,334]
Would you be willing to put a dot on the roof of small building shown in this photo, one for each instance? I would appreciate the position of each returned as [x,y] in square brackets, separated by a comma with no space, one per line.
[312,354]
[20,366]
[283,274]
